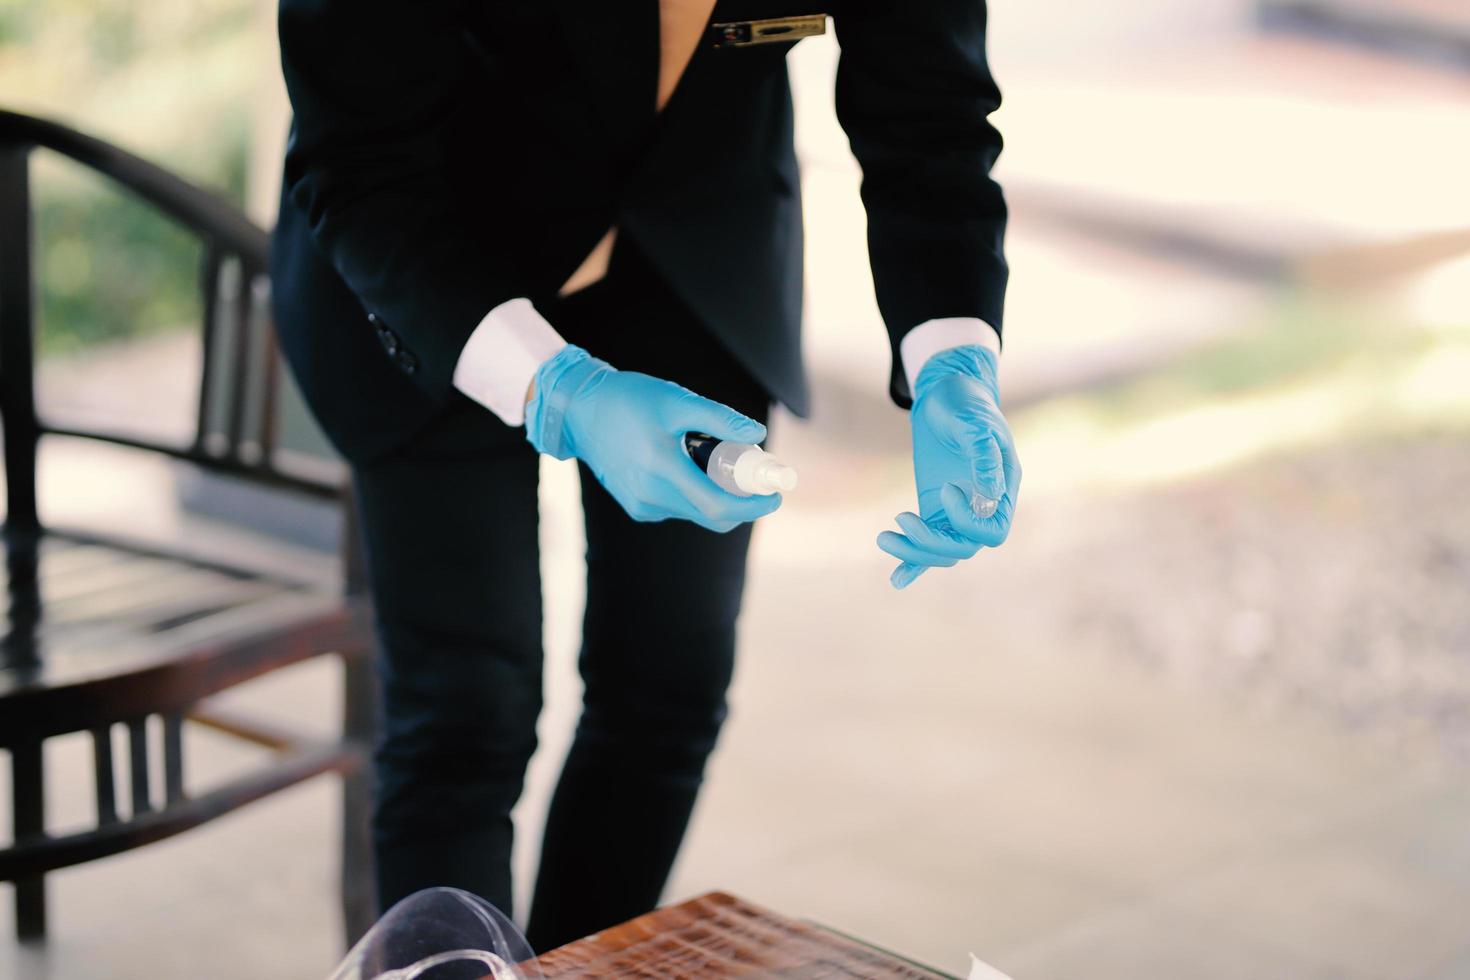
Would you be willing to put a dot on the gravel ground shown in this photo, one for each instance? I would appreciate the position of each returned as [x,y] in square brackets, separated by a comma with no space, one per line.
[1333,581]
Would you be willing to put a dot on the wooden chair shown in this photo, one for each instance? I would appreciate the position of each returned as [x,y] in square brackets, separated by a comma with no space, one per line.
[161,631]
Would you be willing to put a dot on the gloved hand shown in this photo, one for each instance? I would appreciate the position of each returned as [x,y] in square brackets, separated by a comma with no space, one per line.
[965,466]
[629,429]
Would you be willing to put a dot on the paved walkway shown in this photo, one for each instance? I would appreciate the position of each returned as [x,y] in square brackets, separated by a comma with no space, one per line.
[1015,758]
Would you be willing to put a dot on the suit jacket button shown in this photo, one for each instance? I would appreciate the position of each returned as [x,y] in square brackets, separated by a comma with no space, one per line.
[386,337]
[406,362]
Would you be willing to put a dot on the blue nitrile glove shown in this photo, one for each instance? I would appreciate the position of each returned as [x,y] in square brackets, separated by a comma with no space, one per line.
[965,466]
[629,429]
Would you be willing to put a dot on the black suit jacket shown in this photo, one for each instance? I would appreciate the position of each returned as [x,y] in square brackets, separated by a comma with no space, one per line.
[448,155]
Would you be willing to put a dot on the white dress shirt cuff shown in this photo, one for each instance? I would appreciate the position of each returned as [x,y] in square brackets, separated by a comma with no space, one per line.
[501,357]
[933,336]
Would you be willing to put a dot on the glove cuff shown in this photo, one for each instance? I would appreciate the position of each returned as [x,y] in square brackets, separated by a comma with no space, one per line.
[969,360]
[558,381]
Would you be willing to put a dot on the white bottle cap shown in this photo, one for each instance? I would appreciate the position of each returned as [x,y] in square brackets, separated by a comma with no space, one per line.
[755,472]
[775,477]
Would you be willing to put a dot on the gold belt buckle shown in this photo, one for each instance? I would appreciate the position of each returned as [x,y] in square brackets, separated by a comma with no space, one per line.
[743,33]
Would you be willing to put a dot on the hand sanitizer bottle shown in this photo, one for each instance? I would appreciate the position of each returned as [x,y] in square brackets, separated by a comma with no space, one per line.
[738,467]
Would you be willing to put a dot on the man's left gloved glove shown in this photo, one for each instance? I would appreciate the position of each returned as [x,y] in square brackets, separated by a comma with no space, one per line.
[965,466]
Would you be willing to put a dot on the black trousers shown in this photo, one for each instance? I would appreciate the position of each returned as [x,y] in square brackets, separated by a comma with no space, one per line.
[450,524]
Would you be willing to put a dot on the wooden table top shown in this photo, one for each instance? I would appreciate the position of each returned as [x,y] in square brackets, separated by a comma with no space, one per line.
[719,935]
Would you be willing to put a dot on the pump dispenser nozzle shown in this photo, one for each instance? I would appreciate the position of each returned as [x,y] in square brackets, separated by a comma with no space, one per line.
[773,478]
[769,476]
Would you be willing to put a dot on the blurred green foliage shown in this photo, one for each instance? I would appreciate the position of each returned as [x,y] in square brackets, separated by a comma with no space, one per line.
[171,80]
[108,268]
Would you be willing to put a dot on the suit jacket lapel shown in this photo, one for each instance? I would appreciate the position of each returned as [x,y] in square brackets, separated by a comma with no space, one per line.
[615,42]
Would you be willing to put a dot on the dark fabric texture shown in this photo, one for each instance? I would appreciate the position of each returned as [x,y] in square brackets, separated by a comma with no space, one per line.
[449,158]
[450,522]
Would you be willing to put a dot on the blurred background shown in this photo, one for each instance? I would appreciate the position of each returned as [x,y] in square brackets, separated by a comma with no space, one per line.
[1207,714]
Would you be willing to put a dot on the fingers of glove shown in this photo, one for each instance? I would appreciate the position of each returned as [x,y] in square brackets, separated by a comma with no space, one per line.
[941,539]
[669,506]
[706,499]
[1011,464]
[648,500]
[989,531]
[693,413]
[904,575]
[672,505]
[987,468]
[719,527]
[640,510]
[903,549]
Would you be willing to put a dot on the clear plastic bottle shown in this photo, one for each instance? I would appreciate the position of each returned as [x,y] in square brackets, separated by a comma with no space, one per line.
[739,467]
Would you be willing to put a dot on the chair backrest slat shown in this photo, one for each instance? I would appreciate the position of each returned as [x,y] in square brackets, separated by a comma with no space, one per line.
[17,316]
[224,366]
[257,374]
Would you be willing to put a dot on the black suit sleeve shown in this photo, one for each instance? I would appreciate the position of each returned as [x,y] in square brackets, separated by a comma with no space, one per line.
[376,87]
[913,93]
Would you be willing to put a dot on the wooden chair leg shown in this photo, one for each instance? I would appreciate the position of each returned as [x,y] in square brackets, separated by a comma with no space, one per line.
[29,805]
[359,725]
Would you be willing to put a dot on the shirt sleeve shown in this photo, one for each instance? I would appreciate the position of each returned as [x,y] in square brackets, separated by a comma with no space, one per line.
[501,357]
[933,336]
